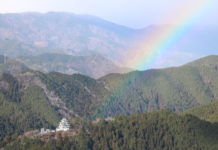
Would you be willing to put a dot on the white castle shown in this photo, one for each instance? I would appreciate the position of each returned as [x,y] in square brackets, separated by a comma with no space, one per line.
[63,125]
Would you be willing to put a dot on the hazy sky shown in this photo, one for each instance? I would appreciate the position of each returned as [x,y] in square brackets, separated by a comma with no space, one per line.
[133,13]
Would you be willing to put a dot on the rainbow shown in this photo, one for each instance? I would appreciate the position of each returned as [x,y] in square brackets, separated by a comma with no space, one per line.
[158,43]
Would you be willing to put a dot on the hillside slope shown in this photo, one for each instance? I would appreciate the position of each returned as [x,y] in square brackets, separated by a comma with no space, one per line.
[161,130]
[23,108]
[8,65]
[94,65]
[72,96]
[177,89]
[14,48]
[32,100]
[207,112]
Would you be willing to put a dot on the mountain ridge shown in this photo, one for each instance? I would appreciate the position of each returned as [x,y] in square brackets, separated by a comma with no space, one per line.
[78,35]
[75,34]
[79,96]
[94,66]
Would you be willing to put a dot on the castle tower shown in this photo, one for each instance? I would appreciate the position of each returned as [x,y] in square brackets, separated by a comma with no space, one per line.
[63,125]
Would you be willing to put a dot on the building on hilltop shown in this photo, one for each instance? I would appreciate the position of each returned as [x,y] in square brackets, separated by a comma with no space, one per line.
[63,125]
[45,131]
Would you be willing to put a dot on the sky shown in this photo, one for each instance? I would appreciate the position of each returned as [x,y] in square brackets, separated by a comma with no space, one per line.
[132,13]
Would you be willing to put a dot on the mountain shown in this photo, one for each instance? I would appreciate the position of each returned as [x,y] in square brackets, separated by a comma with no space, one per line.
[209,61]
[15,48]
[23,108]
[75,34]
[156,130]
[32,100]
[36,58]
[94,65]
[11,66]
[177,89]
[82,35]
[207,112]
[50,96]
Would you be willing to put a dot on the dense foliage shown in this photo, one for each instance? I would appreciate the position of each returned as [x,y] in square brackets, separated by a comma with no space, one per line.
[161,130]
[24,104]
[23,110]
[82,94]
[207,112]
[177,89]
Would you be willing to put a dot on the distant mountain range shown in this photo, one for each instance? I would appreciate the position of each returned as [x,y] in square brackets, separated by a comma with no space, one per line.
[14,48]
[11,66]
[74,34]
[27,34]
[94,66]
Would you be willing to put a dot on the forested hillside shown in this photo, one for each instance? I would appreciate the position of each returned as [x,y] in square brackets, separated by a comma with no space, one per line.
[48,97]
[23,109]
[207,112]
[160,130]
[177,88]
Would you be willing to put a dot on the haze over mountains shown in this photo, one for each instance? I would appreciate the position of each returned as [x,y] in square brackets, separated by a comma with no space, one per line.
[75,34]
[81,35]
[94,66]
